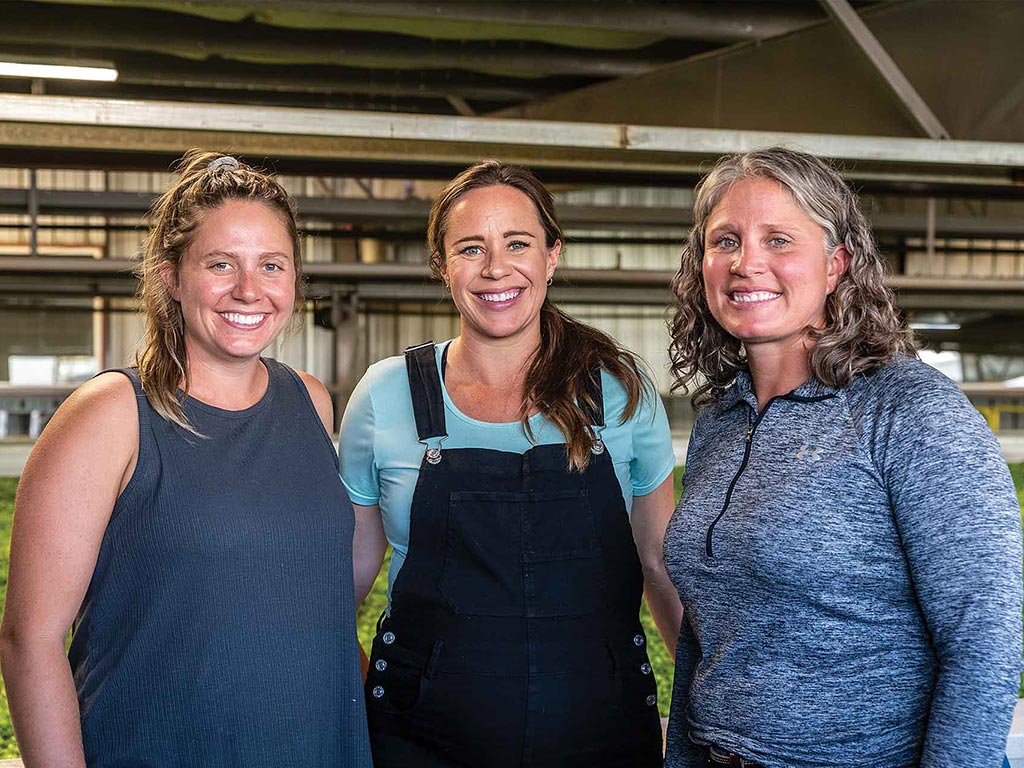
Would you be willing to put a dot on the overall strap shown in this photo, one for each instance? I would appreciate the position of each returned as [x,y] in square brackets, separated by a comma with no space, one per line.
[425,386]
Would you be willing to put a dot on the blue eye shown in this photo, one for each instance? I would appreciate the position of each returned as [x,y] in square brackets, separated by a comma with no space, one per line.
[220,266]
[779,241]
[518,245]
[726,241]
[471,250]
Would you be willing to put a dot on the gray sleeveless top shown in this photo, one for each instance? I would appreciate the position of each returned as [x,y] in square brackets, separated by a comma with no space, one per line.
[219,625]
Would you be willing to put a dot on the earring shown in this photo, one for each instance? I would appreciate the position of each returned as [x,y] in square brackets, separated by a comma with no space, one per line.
[551,280]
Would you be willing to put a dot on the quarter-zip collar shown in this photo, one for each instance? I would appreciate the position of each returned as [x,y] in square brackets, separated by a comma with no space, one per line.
[742,390]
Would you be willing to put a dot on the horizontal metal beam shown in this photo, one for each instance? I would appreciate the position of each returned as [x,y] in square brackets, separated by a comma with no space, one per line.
[358,272]
[991,389]
[64,124]
[408,282]
[411,214]
[695,142]
[407,212]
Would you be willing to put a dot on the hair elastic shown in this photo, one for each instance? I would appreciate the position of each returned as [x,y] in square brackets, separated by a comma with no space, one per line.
[224,161]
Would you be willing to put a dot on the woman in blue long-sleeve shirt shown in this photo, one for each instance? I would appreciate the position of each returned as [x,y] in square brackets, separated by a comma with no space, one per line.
[848,545]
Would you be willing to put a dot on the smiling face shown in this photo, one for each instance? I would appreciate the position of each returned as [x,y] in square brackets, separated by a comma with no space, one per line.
[235,282]
[766,272]
[497,263]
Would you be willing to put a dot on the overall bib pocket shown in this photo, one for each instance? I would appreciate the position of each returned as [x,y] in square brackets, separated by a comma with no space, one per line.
[563,566]
[522,553]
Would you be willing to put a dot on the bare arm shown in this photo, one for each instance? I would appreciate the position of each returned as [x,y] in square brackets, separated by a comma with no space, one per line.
[321,400]
[369,542]
[79,466]
[649,520]
[368,548]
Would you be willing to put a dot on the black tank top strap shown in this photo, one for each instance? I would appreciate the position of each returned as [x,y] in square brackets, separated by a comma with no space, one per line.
[146,473]
[286,376]
[140,395]
[425,386]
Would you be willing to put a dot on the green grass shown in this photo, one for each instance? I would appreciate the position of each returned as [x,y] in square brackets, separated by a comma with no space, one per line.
[1017,472]
[8,747]
[370,610]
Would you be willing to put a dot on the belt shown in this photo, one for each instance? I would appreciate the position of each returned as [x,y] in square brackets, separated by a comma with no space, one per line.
[718,756]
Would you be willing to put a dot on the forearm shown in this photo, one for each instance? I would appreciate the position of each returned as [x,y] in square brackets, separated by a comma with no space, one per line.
[968,722]
[365,570]
[977,641]
[43,704]
[663,602]
[368,547]
[959,525]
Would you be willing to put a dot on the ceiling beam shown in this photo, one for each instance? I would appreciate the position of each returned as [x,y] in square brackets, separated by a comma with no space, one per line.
[904,90]
[60,124]
[410,214]
[413,282]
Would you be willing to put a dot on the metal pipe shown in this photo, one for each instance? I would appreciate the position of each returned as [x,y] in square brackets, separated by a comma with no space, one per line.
[190,37]
[720,22]
[33,213]
[340,272]
[930,232]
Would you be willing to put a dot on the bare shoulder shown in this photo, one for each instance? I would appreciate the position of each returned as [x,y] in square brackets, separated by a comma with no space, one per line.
[90,443]
[321,399]
[106,403]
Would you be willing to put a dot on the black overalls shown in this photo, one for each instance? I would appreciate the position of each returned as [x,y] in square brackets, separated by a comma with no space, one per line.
[514,637]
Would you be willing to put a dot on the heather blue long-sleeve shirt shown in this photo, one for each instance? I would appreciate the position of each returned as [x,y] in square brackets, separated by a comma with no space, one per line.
[849,562]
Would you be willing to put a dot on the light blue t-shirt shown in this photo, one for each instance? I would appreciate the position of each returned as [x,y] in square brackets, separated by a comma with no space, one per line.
[381,453]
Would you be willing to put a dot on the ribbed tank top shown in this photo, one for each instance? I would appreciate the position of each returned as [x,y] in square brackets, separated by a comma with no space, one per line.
[219,626]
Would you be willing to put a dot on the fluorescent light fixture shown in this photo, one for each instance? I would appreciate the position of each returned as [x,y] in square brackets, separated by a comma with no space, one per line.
[935,326]
[57,72]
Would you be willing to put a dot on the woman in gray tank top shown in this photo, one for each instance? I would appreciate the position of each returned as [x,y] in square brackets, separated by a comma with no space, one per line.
[186,518]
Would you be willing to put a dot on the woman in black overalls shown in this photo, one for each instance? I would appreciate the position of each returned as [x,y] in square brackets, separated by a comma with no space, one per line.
[513,637]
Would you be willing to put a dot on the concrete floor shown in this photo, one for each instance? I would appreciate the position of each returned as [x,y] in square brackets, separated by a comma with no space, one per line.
[1013,445]
[1015,744]
[12,458]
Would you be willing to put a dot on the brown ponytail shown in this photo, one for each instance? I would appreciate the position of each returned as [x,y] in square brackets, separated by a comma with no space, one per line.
[205,181]
[556,381]
[570,352]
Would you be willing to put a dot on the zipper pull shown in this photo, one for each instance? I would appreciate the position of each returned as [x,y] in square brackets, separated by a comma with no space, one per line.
[750,432]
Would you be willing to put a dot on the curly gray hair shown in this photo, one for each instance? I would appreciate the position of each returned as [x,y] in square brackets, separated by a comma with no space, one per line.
[863,329]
